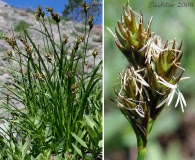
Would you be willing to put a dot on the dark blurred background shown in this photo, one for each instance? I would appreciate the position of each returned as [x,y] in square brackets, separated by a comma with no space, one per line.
[173,134]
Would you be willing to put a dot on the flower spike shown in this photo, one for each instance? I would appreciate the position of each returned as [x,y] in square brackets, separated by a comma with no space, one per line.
[150,81]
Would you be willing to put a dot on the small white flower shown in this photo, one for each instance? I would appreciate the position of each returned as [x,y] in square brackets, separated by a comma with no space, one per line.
[181,99]
[162,103]
[111,32]
[170,97]
[174,89]
[153,49]
[140,78]
[167,84]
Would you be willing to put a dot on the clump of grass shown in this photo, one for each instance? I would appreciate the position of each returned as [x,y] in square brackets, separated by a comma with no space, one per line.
[99,39]
[29,10]
[1,35]
[21,25]
[80,29]
[74,33]
[61,113]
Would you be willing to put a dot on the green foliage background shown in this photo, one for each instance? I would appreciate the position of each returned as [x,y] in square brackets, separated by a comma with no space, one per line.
[169,23]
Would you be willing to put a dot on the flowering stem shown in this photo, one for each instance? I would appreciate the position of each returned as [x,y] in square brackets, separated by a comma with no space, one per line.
[141,145]
[150,80]
[142,141]
[141,153]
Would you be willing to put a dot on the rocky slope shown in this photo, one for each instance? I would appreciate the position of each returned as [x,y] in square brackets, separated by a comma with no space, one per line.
[12,18]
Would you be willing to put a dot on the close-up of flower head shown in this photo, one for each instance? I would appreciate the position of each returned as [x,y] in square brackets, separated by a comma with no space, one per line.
[150,81]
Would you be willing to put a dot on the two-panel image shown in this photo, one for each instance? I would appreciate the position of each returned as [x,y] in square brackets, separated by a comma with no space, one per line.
[97,80]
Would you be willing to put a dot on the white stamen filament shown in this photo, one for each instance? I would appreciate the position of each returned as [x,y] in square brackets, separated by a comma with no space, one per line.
[170,97]
[111,32]
[162,81]
[162,103]
[183,78]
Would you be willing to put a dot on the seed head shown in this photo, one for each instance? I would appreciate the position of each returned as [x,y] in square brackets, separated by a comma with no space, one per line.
[86,7]
[95,53]
[22,40]
[78,41]
[48,56]
[9,53]
[151,79]
[87,64]
[49,9]
[74,88]
[38,76]
[28,49]
[39,13]
[11,41]
[90,22]
[70,74]
[65,40]
[54,16]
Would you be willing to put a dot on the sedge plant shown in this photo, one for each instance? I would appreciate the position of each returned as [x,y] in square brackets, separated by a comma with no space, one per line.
[150,81]
[61,103]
